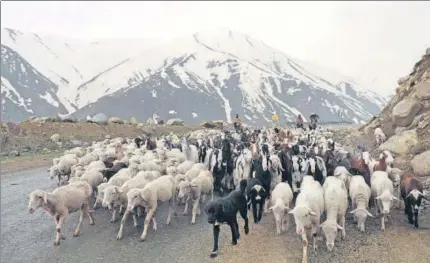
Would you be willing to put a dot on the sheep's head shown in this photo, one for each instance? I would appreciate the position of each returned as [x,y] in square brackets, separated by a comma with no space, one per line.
[37,198]
[279,209]
[330,228]
[135,197]
[111,194]
[361,214]
[184,188]
[386,198]
[54,171]
[302,216]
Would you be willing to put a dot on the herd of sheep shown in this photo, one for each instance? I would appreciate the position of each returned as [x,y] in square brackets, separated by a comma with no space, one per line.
[304,174]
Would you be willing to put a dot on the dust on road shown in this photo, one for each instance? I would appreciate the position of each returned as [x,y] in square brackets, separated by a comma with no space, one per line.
[29,238]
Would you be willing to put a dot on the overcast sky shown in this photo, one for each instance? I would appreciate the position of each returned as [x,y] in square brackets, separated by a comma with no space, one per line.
[371,41]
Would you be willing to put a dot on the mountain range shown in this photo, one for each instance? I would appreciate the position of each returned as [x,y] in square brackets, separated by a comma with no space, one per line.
[207,76]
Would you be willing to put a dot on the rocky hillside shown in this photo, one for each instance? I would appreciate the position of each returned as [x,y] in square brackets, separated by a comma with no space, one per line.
[406,120]
[206,76]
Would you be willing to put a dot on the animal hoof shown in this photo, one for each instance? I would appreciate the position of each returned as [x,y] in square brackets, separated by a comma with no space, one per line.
[193,222]
[56,244]
[112,221]
[142,239]
[185,213]
[234,243]
[246,230]
[75,234]
[92,223]
[214,254]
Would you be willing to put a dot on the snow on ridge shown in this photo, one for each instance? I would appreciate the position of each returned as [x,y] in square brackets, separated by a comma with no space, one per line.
[9,91]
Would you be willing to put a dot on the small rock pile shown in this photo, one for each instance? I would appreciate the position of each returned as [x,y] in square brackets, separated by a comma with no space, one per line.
[406,121]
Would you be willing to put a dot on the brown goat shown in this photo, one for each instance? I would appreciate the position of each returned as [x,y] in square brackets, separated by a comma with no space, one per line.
[381,164]
[411,190]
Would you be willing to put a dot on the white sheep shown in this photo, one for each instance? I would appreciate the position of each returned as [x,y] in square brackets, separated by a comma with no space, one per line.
[177,154]
[100,193]
[281,198]
[382,190]
[307,212]
[64,167]
[201,185]
[380,136]
[149,175]
[79,151]
[184,167]
[93,177]
[161,189]
[171,171]
[336,204]
[360,194]
[57,204]
[192,173]
[342,173]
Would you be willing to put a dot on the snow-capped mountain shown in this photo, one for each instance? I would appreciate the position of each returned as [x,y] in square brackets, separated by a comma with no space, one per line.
[210,75]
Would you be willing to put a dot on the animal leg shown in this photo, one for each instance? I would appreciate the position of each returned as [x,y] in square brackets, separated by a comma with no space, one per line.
[121,227]
[254,211]
[60,221]
[171,210]
[305,248]
[90,216]
[113,215]
[244,214]
[383,223]
[81,219]
[216,230]
[186,206]
[148,217]
[195,208]
[314,237]
[233,234]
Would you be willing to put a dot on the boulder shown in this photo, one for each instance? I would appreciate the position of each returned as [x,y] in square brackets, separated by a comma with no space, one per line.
[55,138]
[175,122]
[133,121]
[401,143]
[421,164]
[400,130]
[100,118]
[207,125]
[115,120]
[405,111]
[423,90]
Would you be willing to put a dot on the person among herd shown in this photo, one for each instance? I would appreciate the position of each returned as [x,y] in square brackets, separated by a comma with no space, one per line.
[299,121]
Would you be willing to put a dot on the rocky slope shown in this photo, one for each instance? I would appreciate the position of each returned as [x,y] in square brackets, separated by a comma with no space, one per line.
[406,120]
[207,76]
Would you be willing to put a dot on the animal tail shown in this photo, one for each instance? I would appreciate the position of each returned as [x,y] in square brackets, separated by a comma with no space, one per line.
[242,185]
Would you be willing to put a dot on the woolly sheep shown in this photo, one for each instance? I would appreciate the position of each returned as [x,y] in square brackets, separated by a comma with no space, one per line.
[176,153]
[58,204]
[88,158]
[93,177]
[171,171]
[307,212]
[382,190]
[360,194]
[184,167]
[342,173]
[100,193]
[281,198]
[79,151]
[62,168]
[201,185]
[149,175]
[336,204]
[192,173]
[161,189]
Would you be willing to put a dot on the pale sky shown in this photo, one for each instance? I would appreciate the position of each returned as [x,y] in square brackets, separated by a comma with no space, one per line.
[373,41]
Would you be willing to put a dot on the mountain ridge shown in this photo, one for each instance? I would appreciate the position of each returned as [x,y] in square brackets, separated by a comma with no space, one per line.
[215,66]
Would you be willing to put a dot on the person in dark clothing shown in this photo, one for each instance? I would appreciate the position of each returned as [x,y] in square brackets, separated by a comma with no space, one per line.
[299,121]
[237,124]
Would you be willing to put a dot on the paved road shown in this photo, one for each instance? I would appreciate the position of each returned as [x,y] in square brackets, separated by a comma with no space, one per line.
[29,238]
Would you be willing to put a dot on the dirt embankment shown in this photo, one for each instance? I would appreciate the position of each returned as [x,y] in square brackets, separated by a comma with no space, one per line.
[29,145]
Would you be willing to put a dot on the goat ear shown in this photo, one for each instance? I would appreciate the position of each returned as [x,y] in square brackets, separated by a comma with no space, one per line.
[45,197]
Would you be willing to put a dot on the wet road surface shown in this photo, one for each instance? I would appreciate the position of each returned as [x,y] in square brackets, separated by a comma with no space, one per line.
[29,238]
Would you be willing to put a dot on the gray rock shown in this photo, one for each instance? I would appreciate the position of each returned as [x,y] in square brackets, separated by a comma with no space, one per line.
[405,111]
[175,122]
[115,120]
[14,153]
[400,130]
[421,164]
[401,143]
[100,118]
[55,138]
[423,90]
[107,136]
